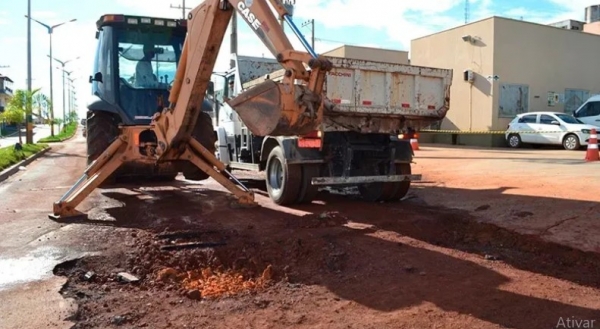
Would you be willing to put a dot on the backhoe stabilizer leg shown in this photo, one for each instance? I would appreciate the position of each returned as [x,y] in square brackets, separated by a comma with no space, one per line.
[206,161]
[109,161]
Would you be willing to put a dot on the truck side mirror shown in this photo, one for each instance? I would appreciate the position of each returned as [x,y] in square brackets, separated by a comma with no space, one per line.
[97,77]
[210,90]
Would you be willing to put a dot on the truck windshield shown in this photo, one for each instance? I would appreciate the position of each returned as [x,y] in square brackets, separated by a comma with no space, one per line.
[148,58]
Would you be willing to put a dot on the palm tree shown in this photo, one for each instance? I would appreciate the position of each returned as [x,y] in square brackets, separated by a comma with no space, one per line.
[40,101]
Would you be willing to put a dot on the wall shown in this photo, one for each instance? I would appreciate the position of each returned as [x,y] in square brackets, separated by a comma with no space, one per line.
[470,105]
[546,59]
[370,54]
[593,28]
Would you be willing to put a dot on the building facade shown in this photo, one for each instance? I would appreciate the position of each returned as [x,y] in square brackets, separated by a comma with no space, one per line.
[6,91]
[569,24]
[518,67]
[592,14]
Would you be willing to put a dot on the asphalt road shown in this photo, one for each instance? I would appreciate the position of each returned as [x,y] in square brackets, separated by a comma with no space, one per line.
[39,132]
[32,244]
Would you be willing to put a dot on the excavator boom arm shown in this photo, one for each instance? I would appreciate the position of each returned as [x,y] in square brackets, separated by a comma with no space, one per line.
[207,25]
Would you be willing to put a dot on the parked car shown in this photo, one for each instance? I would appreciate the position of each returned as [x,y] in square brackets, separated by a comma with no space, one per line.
[550,128]
[589,111]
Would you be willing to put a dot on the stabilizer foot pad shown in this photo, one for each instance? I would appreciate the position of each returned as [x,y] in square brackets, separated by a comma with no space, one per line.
[66,219]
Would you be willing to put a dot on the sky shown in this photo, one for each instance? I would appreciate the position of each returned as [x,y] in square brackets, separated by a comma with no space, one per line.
[389,24]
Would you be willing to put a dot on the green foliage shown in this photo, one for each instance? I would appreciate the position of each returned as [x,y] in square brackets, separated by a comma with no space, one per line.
[23,99]
[72,117]
[67,132]
[9,157]
[13,114]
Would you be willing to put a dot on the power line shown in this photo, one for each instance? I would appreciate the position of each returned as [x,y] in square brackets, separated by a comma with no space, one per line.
[182,7]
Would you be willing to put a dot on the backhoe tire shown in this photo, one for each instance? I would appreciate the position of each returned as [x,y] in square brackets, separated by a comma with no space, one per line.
[102,130]
[283,180]
[203,133]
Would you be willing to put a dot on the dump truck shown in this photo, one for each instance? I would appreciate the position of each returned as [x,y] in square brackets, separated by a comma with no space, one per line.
[364,140]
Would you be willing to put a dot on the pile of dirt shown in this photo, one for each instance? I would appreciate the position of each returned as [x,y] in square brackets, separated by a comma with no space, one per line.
[220,283]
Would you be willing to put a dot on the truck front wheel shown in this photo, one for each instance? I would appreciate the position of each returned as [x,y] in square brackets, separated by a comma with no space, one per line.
[283,180]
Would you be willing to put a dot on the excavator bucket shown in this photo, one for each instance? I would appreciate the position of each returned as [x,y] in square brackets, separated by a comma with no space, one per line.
[272,108]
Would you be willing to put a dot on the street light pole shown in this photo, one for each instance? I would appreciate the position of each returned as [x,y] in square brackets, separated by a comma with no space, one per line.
[64,103]
[50,31]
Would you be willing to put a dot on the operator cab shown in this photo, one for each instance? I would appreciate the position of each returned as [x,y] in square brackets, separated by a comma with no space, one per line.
[135,65]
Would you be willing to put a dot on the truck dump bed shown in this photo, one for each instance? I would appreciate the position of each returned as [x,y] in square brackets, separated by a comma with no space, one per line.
[369,96]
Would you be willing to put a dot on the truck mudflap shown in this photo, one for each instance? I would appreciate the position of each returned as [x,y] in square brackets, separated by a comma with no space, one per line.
[351,180]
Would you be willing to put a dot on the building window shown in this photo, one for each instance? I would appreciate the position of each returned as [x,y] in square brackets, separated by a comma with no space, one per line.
[574,98]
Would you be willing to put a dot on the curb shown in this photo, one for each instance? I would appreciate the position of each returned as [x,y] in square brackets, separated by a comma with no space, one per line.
[15,168]
[61,140]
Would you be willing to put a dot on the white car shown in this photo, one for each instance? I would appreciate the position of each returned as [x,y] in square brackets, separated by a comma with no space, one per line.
[551,128]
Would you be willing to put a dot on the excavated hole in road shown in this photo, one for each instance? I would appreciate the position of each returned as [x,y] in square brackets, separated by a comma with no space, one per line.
[250,262]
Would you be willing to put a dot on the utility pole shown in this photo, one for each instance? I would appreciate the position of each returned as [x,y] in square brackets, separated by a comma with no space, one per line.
[233,39]
[28,117]
[311,22]
[182,7]
[466,11]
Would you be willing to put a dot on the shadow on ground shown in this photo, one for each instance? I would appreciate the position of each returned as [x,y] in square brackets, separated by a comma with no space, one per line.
[377,272]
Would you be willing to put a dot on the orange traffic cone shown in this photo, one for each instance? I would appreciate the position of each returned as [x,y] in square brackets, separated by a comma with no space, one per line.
[592,149]
[414,143]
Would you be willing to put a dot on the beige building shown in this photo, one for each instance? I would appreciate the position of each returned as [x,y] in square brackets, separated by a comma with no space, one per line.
[370,54]
[537,68]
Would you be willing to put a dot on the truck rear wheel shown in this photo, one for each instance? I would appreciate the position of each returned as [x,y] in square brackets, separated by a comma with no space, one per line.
[283,180]
[308,191]
[205,134]
[392,191]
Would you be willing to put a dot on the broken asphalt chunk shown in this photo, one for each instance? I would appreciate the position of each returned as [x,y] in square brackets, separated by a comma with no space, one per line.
[127,277]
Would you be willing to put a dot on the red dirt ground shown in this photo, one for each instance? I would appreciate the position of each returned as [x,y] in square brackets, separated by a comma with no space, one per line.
[345,264]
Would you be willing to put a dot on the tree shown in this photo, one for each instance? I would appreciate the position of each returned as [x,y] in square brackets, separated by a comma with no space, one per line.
[22,100]
[72,117]
[40,103]
[16,115]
